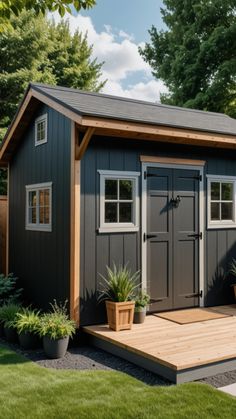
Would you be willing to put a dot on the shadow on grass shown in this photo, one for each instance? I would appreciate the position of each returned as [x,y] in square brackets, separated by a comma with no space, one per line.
[7,357]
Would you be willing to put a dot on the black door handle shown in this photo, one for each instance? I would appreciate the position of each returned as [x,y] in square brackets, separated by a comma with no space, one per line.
[148,236]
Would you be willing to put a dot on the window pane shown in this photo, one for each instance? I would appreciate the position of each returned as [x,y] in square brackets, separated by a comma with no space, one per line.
[41,198]
[125,212]
[32,199]
[126,189]
[46,215]
[227,191]
[41,131]
[215,190]
[215,211]
[111,189]
[227,211]
[41,215]
[111,212]
[46,197]
[32,215]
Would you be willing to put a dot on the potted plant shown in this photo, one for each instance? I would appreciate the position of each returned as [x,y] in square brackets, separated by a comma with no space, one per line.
[27,324]
[8,313]
[118,292]
[56,328]
[141,301]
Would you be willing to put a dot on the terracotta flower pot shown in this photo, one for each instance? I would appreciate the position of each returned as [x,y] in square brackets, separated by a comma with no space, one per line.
[120,316]
[55,348]
[29,340]
[11,334]
[139,316]
[234,290]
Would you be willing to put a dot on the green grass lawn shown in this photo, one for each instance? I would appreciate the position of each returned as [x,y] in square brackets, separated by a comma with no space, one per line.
[30,391]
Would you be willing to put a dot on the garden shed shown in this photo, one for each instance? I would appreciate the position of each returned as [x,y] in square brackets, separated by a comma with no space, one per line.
[96,179]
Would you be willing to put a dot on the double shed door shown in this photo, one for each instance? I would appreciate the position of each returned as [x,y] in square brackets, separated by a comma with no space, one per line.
[172,238]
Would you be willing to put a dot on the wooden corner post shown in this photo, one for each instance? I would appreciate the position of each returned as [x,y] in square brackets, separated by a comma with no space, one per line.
[75,230]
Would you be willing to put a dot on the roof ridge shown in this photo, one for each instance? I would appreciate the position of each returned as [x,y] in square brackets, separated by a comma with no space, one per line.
[124,99]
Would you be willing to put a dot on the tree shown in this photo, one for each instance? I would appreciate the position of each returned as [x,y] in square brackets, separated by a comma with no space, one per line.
[196,55]
[35,49]
[9,7]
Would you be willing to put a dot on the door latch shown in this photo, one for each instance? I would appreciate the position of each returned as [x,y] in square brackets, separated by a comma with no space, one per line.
[197,294]
[175,201]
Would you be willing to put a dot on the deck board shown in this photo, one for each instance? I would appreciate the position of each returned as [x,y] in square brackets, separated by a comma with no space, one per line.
[178,346]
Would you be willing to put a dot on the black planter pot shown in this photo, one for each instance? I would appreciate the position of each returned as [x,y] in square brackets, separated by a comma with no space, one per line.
[1,330]
[29,340]
[11,334]
[139,316]
[55,348]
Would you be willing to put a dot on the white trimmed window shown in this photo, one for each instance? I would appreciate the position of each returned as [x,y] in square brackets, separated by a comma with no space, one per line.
[41,128]
[118,201]
[39,207]
[221,202]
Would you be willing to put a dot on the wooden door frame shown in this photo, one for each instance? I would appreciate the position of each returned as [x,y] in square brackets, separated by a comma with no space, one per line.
[185,165]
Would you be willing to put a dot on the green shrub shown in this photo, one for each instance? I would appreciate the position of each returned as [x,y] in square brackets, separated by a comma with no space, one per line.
[27,321]
[8,291]
[8,314]
[120,284]
[142,299]
[56,324]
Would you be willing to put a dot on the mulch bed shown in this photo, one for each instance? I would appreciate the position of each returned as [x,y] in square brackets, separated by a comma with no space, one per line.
[85,357]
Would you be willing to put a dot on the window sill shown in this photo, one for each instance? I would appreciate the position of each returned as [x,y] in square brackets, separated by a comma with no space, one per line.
[39,228]
[118,229]
[221,226]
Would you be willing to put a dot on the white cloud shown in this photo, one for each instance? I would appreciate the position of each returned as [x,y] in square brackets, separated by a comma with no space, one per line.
[121,60]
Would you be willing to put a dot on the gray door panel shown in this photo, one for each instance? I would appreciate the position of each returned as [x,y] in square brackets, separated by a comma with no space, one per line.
[185,247]
[159,248]
[172,254]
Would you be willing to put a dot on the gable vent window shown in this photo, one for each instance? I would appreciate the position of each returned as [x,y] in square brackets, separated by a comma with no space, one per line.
[118,201]
[221,202]
[38,207]
[41,127]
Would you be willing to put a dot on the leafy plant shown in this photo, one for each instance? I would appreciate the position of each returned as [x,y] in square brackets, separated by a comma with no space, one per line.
[8,291]
[232,269]
[120,284]
[8,314]
[56,324]
[27,321]
[142,299]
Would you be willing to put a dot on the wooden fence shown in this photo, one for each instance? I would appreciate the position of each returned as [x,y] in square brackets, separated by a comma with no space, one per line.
[3,233]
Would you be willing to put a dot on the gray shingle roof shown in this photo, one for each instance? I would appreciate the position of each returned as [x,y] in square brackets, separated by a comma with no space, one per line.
[106,106]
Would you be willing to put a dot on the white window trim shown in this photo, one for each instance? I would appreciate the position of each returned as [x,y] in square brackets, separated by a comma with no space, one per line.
[38,226]
[118,227]
[222,224]
[41,118]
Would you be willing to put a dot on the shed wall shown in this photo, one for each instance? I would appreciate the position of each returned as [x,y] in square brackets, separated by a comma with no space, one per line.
[100,249]
[42,259]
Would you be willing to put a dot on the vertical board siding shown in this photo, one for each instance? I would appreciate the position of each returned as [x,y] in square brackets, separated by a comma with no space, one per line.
[42,259]
[99,250]
[3,233]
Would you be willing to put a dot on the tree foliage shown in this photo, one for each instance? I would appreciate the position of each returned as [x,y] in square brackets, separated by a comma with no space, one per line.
[9,7]
[36,49]
[196,55]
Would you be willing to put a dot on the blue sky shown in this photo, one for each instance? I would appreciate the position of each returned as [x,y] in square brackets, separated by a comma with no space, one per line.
[132,16]
[116,28]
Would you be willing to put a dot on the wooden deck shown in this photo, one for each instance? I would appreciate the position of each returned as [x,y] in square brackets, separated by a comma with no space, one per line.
[179,352]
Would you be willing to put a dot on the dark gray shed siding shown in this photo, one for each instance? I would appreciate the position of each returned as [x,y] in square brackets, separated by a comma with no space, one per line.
[42,259]
[98,250]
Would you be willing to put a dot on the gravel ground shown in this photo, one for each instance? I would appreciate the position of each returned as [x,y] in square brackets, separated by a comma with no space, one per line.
[85,357]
